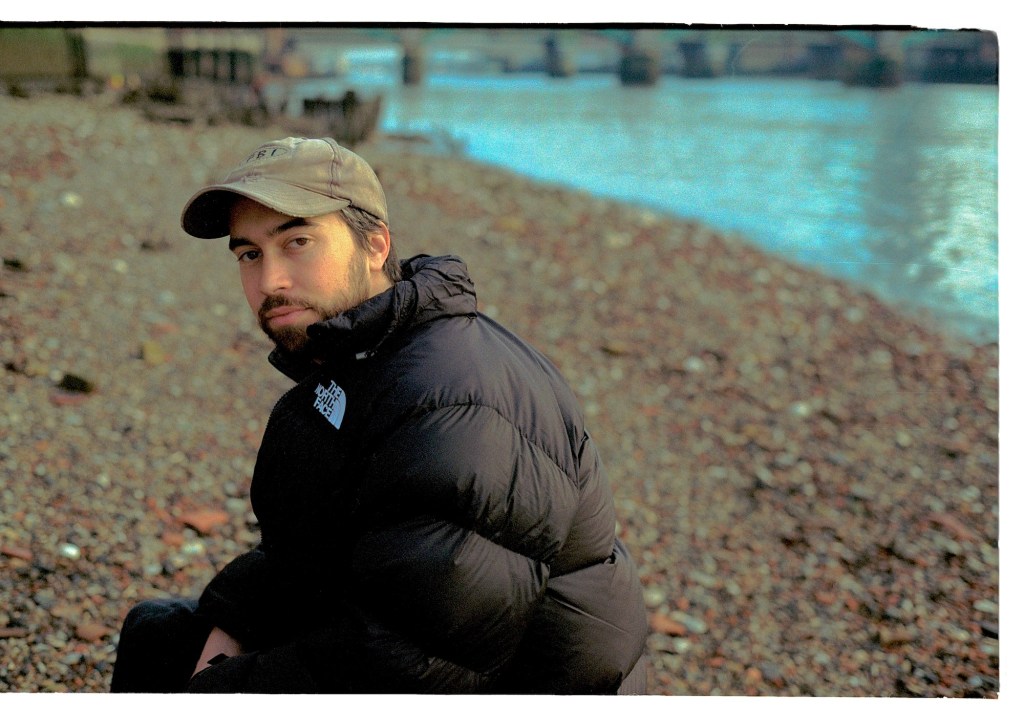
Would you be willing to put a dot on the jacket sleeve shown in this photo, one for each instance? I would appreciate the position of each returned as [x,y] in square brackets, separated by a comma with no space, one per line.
[353,654]
[461,517]
[235,598]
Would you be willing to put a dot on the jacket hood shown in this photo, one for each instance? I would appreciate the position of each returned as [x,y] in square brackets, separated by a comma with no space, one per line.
[431,288]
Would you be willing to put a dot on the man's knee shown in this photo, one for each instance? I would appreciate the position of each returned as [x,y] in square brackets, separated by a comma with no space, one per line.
[160,618]
[159,645]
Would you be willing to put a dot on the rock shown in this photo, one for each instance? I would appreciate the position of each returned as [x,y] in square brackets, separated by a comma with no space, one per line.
[204,521]
[237,506]
[172,539]
[654,597]
[753,676]
[773,674]
[45,598]
[695,624]
[801,409]
[71,199]
[953,525]
[75,384]
[92,631]
[663,624]
[693,364]
[896,636]
[987,606]
[65,611]
[617,348]
[69,551]
[13,551]
[153,353]
[193,548]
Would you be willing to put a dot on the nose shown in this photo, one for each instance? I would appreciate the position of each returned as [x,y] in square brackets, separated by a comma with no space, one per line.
[274,276]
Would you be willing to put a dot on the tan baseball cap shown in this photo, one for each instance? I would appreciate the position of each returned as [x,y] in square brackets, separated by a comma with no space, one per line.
[300,177]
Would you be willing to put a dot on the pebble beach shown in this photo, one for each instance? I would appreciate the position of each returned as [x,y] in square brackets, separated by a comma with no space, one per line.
[807,478]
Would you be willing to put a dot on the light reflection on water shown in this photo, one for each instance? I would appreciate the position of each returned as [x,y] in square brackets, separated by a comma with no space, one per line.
[894,189]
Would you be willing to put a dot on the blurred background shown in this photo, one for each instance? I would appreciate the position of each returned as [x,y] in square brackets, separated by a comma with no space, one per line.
[869,154]
[764,258]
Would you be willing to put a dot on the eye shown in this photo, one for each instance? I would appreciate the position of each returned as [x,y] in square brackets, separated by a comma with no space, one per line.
[300,241]
[248,255]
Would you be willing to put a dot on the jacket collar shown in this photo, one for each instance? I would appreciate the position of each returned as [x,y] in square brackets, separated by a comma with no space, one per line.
[431,288]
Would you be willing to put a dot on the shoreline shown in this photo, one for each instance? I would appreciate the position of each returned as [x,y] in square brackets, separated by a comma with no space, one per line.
[807,478]
[977,329]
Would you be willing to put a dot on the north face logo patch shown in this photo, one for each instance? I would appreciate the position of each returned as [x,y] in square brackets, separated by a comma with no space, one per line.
[330,402]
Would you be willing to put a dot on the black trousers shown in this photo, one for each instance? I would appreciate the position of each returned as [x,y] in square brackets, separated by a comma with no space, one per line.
[161,641]
[160,645]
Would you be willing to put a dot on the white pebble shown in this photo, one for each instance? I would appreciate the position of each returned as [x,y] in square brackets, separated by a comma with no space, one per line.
[70,551]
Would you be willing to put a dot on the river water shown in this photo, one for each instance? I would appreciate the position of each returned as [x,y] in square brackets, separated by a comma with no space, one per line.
[893,189]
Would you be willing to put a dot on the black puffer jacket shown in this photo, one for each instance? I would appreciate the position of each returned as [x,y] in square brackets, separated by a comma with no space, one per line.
[443,525]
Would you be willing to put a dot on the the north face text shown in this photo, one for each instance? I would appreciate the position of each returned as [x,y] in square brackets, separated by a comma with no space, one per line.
[330,402]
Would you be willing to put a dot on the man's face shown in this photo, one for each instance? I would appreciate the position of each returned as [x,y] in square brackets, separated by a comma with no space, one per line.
[296,271]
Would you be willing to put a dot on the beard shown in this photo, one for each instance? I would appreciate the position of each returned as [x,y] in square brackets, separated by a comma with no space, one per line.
[294,339]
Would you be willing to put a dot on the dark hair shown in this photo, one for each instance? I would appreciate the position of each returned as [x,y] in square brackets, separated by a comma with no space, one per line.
[363,224]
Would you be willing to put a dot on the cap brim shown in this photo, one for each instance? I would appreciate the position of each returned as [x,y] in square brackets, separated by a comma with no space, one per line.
[207,213]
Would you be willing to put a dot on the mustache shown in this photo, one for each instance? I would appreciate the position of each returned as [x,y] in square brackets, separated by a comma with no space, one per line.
[276,301]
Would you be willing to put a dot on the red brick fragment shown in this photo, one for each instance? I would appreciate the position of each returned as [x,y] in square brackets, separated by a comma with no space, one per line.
[16,552]
[64,399]
[204,520]
[663,624]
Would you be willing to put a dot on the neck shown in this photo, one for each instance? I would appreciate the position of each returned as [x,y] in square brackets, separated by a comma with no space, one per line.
[379,283]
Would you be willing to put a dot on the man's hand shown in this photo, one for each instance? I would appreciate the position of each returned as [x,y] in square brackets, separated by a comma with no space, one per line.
[219,642]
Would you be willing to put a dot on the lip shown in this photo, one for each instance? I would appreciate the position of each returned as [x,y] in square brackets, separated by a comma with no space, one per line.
[284,315]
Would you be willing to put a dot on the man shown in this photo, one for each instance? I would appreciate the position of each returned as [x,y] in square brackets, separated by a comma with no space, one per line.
[434,515]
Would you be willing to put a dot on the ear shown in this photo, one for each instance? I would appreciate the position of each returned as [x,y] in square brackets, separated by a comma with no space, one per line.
[379,247]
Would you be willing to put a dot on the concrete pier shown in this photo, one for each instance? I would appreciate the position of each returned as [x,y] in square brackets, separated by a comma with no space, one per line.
[556,60]
[695,59]
[638,67]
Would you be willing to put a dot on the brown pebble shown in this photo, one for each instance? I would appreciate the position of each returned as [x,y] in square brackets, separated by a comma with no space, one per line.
[64,399]
[65,611]
[92,631]
[172,538]
[889,637]
[617,348]
[16,552]
[8,632]
[753,676]
[663,624]
[954,526]
[204,520]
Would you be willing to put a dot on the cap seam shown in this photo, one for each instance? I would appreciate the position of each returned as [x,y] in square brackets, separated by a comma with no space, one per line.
[335,170]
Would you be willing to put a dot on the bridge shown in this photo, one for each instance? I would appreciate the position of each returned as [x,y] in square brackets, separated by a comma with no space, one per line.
[239,54]
[641,56]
